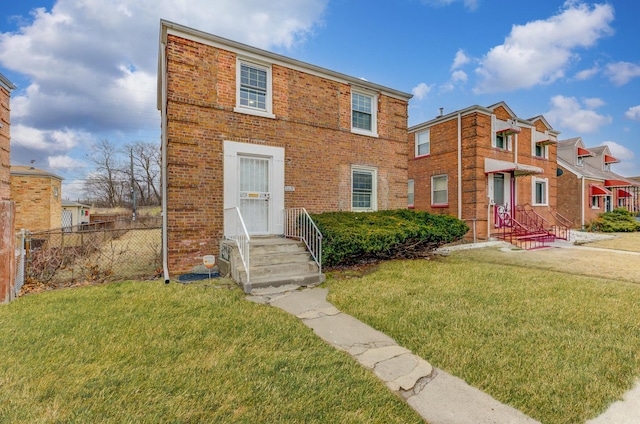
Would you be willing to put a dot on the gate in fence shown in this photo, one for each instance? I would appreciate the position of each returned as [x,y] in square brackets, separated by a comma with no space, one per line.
[21,254]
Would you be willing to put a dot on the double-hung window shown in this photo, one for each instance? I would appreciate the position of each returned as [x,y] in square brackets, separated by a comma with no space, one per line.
[540,191]
[595,202]
[423,143]
[364,110]
[363,189]
[541,151]
[439,190]
[410,194]
[501,141]
[580,161]
[253,89]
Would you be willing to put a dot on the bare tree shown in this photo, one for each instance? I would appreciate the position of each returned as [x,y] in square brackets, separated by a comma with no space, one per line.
[146,169]
[108,184]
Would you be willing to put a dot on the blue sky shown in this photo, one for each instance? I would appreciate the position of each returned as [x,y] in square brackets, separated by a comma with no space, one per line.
[86,69]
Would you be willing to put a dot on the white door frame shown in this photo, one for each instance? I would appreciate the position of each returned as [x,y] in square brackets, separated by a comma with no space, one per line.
[234,149]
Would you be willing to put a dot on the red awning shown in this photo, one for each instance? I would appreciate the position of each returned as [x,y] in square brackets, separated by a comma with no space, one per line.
[610,159]
[624,193]
[616,183]
[584,152]
[596,190]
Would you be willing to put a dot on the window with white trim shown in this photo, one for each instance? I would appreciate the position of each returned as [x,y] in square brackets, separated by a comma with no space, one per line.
[439,190]
[364,110]
[607,167]
[363,189]
[502,141]
[410,194]
[540,191]
[423,143]
[595,202]
[253,91]
[541,151]
[580,161]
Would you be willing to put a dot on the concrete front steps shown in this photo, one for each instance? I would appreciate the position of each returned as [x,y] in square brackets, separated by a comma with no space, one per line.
[274,262]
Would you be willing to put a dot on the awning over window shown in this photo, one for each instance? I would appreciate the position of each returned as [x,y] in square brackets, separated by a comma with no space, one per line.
[584,152]
[543,138]
[596,190]
[610,159]
[616,183]
[492,166]
[624,193]
[508,127]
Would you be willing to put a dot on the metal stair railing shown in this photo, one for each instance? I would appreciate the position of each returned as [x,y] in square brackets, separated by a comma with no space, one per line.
[236,230]
[521,235]
[562,227]
[299,225]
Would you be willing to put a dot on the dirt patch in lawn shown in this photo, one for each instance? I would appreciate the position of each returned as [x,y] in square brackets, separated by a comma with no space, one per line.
[581,260]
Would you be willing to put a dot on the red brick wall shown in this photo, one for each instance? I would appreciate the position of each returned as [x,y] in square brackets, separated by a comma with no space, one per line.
[4,143]
[312,124]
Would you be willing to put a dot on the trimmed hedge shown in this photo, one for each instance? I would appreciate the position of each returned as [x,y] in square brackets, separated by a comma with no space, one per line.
[617,221]
[357,237]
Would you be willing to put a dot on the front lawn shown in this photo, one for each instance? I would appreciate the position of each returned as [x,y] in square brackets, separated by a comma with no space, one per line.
[146,352]
[558,347]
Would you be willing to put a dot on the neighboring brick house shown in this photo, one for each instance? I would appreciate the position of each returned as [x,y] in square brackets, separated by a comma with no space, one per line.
[587,186]
[480,163]
[7,207]
[38,197]
[249,128]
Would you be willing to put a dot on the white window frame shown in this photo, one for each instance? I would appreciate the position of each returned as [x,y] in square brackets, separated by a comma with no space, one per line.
[267,111]
[508,138]
[374,188]
[534,183]
[595,202]
[607,167]
[580,161]
[410,194]
[374,112]
[433,178]
[419,142]
[545,151]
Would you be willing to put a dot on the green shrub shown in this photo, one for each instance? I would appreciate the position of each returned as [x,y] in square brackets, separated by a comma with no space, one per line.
[356,237]
[617,221]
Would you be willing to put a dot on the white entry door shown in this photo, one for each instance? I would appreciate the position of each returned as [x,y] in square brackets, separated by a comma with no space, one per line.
[254,193]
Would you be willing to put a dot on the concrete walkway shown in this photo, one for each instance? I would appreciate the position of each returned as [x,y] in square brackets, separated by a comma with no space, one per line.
[437,396]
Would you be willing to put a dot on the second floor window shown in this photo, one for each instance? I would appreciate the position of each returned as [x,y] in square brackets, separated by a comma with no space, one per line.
[423,143]
[363,113]
[501,141]
[253,86]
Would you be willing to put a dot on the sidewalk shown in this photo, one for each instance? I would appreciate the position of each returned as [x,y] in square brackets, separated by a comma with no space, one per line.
[437,396]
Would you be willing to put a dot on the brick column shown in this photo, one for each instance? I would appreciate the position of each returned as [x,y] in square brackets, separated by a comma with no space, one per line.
[7,251]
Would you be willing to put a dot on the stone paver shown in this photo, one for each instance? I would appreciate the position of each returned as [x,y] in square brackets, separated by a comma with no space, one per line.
[437,396]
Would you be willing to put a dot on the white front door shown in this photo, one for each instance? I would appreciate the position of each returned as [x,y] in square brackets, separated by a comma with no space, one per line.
[254,194]
[501,197]
[254,183]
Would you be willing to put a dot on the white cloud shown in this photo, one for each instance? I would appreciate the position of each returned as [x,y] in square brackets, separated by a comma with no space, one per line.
[567,112]
[621,73]
[540,51]
[586,74]
[460,60]
[469,4]
[593,102]
[92,64]
[47,141]
[459,76]
[65,162]
[421,90]
[633,113]
[619,151]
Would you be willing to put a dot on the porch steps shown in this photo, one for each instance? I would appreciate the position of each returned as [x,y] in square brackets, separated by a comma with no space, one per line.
[274,262]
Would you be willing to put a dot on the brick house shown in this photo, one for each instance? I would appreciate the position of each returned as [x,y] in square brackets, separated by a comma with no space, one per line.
[484,165]
[587,186]
[38,197]
[243,127]
[7,207]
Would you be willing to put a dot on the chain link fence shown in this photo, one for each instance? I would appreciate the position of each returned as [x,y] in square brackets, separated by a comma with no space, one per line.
[102,251]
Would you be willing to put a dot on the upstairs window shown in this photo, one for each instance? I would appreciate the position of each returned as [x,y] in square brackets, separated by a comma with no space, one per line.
[580,161]
[363,113]
[501,141]
[254,89]
[607,167]
[541,151]
[423,143]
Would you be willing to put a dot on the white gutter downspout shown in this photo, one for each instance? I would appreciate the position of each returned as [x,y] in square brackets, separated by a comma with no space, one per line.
[582,203]
[163,178]
[460,167]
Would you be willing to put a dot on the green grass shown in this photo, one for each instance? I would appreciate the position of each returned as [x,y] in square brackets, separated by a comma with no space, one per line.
[558,347]
[146,352]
